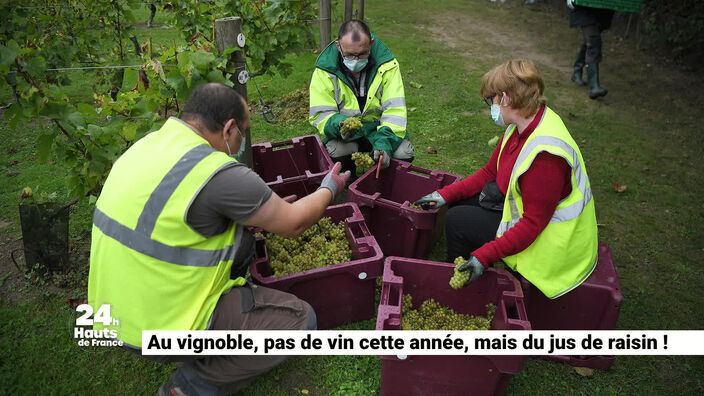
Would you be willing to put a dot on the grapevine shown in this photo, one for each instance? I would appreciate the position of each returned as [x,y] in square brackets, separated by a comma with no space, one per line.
[459,278]
[433,316]
[325,243]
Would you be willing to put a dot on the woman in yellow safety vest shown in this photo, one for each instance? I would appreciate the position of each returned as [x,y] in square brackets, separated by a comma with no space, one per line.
[531,206]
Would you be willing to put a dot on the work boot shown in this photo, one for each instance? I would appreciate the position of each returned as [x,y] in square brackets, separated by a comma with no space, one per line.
[595,90]
[578,66]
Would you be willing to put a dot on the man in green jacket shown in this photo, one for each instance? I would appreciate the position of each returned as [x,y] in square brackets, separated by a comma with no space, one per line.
[358,76]
[170,241]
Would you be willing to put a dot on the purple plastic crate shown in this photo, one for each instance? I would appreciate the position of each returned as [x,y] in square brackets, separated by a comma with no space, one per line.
[293,167]
[593,305]
[448,375]
[385,204]
[340,293]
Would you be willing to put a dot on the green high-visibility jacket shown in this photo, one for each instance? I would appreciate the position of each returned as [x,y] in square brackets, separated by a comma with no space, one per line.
[564,254]
[332,99]
[155,271]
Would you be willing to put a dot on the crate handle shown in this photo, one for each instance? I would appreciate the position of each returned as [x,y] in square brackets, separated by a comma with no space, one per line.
[419,171]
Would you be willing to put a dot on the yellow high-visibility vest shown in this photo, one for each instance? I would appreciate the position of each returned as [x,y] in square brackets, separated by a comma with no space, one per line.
[155,271]
[331,92]
[564,254]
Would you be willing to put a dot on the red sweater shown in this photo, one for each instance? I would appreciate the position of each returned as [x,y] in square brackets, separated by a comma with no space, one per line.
[542,187]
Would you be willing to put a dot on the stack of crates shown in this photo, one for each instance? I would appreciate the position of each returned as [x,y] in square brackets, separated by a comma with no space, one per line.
[593,305]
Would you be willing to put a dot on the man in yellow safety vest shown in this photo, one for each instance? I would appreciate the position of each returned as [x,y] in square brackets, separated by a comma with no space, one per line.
[358,76]
[170,244]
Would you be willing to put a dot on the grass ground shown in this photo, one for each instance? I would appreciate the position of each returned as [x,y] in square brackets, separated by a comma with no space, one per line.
[644,135]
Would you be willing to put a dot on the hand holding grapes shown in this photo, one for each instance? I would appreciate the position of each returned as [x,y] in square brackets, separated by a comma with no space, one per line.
[349,127]
[466,272]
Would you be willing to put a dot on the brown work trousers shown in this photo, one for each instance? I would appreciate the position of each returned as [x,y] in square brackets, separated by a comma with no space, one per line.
[250,307]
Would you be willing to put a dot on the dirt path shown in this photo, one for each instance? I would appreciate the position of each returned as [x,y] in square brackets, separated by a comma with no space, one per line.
[641,85]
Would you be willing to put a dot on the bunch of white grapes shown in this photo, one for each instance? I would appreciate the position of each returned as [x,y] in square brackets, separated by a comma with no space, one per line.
[433,316]
[350,126]
[325,243]
[459,278]
[363,162]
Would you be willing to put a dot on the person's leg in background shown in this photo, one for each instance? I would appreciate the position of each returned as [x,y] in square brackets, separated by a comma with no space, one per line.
[243,308]
[592,38]
[578,66]
[468,226]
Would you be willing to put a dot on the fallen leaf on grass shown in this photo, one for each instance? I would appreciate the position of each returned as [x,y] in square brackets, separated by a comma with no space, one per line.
[412,109]
[584,371]
[75,302]
[416,85]
[305,391]
[492,142]
[620,188]
[12,163]
[430,150]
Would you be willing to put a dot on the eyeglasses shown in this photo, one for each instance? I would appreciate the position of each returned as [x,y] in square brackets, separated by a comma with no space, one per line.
[348,56]
[489,100]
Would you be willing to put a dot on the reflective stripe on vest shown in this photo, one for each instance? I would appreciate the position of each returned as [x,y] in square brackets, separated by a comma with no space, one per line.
[141,243]
[140,240]
[564,214]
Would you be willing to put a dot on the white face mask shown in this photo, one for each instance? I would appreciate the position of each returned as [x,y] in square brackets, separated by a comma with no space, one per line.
[496,115]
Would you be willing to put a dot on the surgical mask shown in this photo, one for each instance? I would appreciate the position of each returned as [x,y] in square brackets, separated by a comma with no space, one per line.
[496,115]
[355,65]
[238,155]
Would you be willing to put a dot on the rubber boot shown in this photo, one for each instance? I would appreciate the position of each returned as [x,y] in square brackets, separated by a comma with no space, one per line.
[578,66]
[595,90]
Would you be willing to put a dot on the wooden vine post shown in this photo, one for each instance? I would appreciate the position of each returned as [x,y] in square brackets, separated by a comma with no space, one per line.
[228,34]
[349,9]
[325,23]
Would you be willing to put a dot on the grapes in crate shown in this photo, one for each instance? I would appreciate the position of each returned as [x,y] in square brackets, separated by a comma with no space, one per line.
[324,244]
[433,316]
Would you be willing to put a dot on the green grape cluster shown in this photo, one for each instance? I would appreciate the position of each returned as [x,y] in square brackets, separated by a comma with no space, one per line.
[417,207]
[433,316]
[350,126]
[459,278]
[363,161]
[323,244]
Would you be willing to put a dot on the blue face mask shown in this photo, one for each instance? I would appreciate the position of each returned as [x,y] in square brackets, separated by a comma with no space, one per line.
[355,66]
[496,115]
[238,155]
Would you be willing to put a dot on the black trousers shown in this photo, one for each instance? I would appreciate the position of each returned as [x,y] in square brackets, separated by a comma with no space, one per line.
[591,42]
[468,226]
